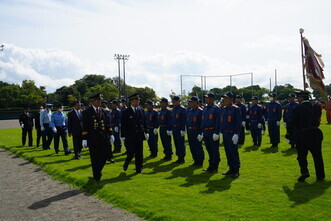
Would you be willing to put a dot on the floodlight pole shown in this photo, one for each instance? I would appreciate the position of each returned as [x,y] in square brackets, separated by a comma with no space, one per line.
[276,81]
[125,59]
[118,57]
[303,59]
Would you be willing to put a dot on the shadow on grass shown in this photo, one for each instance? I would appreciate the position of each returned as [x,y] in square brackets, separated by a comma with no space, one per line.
[46,202]
[270,150]
[218,185]
[165,168]
[251,148]
[83,167]
[197,179]
[289,152]
[182,172]
[303,192]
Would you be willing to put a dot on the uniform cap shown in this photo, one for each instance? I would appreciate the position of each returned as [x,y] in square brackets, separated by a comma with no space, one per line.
[254,98]
[123,100]
[228,94]
[164,100]
[149,102]
[194,98]
[212,95]
[49,105]
[272,94]
[175,98]
[291,95]
[114,102]
[104,102]
[238,96]
[95,96]
[302,93]
[134,96]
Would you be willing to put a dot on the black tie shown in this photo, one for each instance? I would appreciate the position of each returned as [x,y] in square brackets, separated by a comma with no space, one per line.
[97,110]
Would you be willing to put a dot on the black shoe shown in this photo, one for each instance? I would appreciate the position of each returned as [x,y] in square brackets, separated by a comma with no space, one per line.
[67,152]
[111,160]
[229,172]
[125,167]
[320,178]
[303,177]
[274,145]
[179,161]
[57,151]
[255,144]
[167,158]
[77,157]
[235,175]
[213,170]
[117,151]
[207,169]
[140,172]
[258,144]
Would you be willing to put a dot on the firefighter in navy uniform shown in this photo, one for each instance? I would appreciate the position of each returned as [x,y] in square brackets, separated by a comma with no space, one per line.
[273,117]
[134,131]
[115,124]
[243,117]
[152,121]
[178,120]
[306,120]
[210,125]
[26,123]
[256,119]
[230,128]
[165,129]
[97,135]
[287,118]
[194,132]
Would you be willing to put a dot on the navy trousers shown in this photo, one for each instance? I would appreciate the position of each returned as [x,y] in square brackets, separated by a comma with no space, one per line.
[274,132]
[152,141]
[166,141]
[195,145]
[231,151]
[179,142]
[212,147]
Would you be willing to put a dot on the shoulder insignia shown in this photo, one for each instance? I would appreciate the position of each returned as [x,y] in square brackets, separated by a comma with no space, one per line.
[233,105]
[200,108]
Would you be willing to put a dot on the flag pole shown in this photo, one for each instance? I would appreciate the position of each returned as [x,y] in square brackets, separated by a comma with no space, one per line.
[302,60]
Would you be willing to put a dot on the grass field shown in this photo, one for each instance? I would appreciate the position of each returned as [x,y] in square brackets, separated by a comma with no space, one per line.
[266,190]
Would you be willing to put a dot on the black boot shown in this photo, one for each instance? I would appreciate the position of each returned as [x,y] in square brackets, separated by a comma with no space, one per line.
[229,172]
[214,168]
[180,160]
[303,177]
[236,173]
[167,157]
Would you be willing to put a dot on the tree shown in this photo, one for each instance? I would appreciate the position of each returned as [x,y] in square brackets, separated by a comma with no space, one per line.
[109,91]
[10,95]
[30,94]
[145,93]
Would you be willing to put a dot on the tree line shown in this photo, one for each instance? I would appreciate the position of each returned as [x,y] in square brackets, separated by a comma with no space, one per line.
[28,94]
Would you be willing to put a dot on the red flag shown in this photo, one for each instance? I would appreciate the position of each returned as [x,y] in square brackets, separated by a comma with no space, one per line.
[314,69]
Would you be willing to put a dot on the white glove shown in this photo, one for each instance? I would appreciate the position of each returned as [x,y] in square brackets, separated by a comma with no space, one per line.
[42,128]
[200,136]
[235,139]
[169,132]
[155,131]
[216,137]
[182,133]
[22,125]
[262,132]
[147,136]
[278,123]
[266,122]
[54,130]
[116,129]
[259,125]
[84,143]
[112,139]
[285,124]
[122,139]
[243,123]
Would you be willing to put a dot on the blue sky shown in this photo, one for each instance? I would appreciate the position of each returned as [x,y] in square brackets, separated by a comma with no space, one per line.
[57,42]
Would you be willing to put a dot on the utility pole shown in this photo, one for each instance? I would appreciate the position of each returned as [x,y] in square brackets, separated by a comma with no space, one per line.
[118,57]
[276,81]
[125,59]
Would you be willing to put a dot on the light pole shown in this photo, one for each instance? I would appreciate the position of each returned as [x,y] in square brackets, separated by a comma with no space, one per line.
[125,59]
[118,57]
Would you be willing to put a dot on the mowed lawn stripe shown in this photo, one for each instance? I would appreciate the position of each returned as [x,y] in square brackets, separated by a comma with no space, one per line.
[266,190]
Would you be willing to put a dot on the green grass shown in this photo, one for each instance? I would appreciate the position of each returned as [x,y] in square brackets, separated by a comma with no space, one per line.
[266,190]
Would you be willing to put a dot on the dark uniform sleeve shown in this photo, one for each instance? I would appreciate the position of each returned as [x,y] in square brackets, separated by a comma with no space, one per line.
[123,123]
[237,120]
[169,119]
[70,122]
[279,117]
[183,119]
[218,119]
[156,119]
[85,122]
[20,119]
[144,121]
